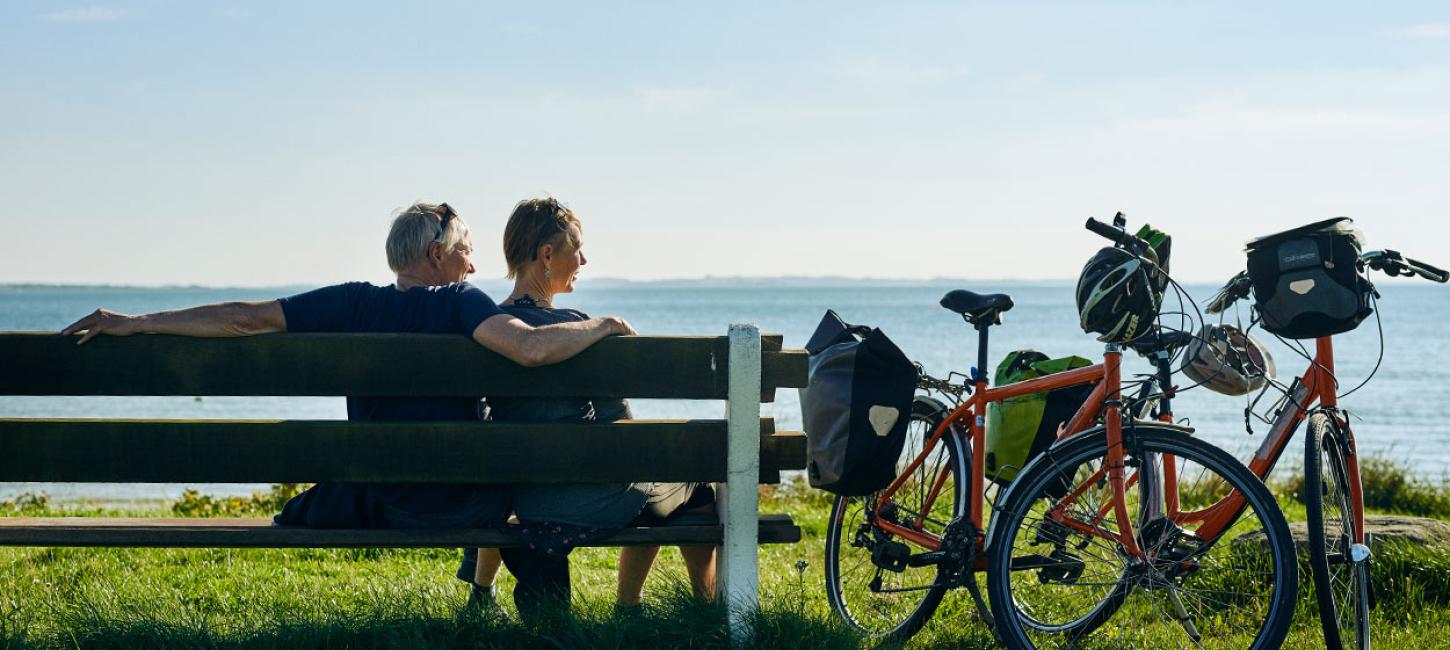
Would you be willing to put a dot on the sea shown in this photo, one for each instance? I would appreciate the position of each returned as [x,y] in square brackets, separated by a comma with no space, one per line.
[1400,413]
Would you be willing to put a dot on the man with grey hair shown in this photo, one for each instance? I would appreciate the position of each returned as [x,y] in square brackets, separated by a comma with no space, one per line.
[428,248]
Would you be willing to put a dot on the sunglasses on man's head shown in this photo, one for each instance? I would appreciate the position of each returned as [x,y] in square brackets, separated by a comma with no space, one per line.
[445,214]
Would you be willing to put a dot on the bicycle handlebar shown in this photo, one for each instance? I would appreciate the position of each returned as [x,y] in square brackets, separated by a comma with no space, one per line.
[1159,340]
[1428,272]
[1392,263]
[1117,235]
[1238,287]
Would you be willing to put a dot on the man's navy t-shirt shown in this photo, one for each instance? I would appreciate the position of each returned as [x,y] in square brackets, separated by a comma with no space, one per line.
[362,307]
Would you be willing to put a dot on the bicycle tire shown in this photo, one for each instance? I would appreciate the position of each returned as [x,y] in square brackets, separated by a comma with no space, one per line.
[1341,585]
[1231,588]
[850,539]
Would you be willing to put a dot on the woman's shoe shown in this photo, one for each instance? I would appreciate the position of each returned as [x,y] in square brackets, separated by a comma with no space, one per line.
[483,600]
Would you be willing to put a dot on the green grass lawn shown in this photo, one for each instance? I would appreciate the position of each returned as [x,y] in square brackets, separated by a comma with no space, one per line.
[386,598]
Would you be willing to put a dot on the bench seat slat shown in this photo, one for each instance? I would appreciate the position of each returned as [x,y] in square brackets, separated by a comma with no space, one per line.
[256,451]
[259,533]
[676,367]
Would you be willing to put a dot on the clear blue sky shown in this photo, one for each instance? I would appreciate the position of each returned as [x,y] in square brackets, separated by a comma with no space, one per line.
[267,143]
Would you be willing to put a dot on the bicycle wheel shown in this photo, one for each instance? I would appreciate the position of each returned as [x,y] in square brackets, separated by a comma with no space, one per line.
[1341,584]
[881,602]
[1050,584]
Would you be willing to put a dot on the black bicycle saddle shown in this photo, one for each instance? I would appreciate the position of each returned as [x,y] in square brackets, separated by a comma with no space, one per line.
[977,307]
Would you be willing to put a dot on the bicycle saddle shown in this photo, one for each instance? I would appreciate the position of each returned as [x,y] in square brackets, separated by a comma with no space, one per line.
[975,307]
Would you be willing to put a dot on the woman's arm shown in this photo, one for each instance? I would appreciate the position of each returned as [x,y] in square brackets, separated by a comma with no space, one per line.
[530,346]
[218,320]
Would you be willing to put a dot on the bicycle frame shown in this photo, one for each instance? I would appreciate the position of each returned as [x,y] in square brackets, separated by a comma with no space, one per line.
[1104,402]
[1317,385]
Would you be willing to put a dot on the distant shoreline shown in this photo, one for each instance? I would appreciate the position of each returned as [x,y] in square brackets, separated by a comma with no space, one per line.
[728,282]
[708,282]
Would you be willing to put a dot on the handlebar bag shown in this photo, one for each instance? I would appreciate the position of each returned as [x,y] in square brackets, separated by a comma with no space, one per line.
[1020,428]
[1307,282]
[855,407]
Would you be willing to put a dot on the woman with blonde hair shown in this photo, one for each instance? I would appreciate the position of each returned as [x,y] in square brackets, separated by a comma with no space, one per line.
[543,245]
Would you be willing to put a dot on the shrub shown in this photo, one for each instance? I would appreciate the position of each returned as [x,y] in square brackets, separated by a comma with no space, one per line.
[195,504]
[1388,487]
[28,504]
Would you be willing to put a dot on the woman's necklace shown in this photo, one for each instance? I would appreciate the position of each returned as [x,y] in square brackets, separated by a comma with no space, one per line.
[526,301]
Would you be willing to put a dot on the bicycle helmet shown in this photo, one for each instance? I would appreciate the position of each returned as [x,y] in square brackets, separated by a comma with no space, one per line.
[1226,360]
[1118,295]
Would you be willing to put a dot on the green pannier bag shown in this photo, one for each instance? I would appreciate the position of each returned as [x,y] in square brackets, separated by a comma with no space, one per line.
[1020,428]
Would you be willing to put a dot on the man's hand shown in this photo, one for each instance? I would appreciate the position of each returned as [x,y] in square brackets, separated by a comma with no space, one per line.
[618,326]
[220,319]
[104,321]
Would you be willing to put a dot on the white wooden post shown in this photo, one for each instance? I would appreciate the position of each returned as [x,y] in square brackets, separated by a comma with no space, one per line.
[739,572]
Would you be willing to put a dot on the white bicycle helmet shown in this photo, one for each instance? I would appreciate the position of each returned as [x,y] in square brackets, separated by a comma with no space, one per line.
[1226,360]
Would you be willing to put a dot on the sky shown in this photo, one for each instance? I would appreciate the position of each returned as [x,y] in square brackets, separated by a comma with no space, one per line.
[269,143]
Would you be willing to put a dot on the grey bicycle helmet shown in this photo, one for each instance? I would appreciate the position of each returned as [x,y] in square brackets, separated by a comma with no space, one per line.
[1118,295]
[1227,360]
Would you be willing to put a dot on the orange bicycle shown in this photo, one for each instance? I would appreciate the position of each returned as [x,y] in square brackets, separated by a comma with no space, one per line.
[1339,553]
[1083,534]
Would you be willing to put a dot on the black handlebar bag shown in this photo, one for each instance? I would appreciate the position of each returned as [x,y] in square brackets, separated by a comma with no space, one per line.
[855,407]
[1307,282]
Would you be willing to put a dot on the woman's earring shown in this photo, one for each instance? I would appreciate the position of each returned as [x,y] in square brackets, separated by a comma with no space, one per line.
[546,271]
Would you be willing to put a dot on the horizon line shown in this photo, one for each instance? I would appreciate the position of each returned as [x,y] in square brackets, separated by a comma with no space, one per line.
[605,282]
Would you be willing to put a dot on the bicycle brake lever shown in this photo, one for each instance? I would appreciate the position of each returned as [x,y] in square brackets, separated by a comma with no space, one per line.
[1237,287]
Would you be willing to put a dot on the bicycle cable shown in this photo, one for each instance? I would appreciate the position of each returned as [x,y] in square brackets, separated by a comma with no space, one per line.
[1297,346]
[1374,304]
[1183,297]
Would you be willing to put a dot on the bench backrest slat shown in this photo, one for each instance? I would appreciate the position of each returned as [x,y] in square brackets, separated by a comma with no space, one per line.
[260,451]
[374,365]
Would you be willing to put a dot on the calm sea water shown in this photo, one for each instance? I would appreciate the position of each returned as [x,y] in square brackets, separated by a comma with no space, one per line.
[1401,412]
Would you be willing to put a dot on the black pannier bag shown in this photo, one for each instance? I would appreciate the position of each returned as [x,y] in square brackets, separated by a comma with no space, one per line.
[1307,282]
[855,407]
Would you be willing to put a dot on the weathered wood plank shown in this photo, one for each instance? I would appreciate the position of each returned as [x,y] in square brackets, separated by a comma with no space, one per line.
[369,365]
[259,533]
[782,450]
[782,369]
[261,451]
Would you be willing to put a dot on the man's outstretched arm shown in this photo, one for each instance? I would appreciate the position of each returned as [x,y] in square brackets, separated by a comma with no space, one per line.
[531,346]
[221,319]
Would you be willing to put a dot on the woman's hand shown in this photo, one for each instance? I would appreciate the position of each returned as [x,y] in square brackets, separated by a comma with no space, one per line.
[104,321]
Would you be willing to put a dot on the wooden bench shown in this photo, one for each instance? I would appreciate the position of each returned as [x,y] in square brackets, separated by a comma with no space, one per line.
[739,451]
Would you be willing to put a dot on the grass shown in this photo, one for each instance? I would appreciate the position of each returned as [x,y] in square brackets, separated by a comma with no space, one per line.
[1388,488]
[390,598]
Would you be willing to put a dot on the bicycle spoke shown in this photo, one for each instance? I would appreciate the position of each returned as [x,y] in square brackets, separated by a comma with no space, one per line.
[881,602]
[1187,592]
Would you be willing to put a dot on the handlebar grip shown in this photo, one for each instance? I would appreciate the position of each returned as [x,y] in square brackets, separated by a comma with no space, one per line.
[1119,236]
[1429,272]
[1106,231]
